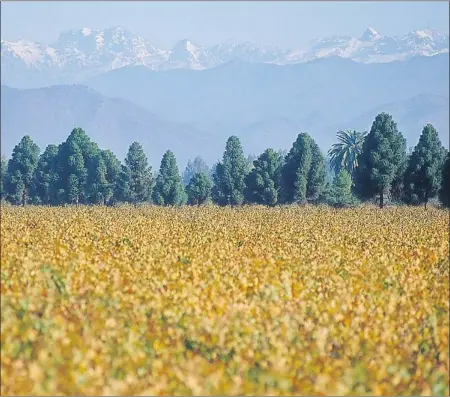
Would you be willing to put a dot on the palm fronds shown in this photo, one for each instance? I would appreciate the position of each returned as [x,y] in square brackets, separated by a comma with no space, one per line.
[344,154]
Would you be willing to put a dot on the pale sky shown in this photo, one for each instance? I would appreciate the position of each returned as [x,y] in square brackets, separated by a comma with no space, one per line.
[287,24]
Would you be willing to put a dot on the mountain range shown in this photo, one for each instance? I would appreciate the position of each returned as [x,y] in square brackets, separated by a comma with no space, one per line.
[49,114]
[311,97]
[193,112]
[190,104]
[80,54]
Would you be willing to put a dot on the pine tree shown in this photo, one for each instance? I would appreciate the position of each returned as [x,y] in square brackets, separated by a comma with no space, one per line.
[199,189]
[296,170]
[80,170]
[45,177]
[194,167]
[263,182]
[169,189]
[141,183]
[3,173]
[383,154]
[76,165]
[21,169]
[341,190]
[250,160]
[74,187]
[122,192]
[229,176]
[97,184]
[71,168]
[113,170]
[424,171]
[317,173]
[444,191]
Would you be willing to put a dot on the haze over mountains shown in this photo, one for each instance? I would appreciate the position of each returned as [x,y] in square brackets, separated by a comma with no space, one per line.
[49,114]
[78,54]
[191,98]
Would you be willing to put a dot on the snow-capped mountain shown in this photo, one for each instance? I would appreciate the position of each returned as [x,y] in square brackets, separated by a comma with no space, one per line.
[187,55]
[86,50]
[79,54]
[372,47]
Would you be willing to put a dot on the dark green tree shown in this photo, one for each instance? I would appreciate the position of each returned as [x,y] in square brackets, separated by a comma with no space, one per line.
[263,182]
[383,154]
[81,171]
[229,176]
[45,177]
[142,181]
[21,169]
[283,153]
[397,191]
[199,189]
[344,154]
[122,192]
[97,184]
[113,170]
[341,190]
[221,185]
[317,173]
[4,171]
[250,163]
[424,170]
[74,188]
[72,168]
[444,191]
[294,175]
[169,189]
[193,167]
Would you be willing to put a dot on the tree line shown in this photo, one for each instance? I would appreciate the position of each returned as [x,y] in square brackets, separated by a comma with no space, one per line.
[366,166]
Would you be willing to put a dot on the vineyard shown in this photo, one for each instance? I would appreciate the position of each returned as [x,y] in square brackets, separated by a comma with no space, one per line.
[292,300]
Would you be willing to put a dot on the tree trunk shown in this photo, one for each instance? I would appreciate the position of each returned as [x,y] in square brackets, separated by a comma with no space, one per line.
[24,197]
[426,199]
[381,200]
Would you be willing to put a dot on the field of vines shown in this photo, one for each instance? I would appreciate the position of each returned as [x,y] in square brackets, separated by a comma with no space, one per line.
[224,301]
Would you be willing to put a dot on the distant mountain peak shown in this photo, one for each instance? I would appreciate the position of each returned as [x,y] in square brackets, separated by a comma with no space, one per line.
[81,53]
[185,44]
[370,34]
[428,33]
[186,54]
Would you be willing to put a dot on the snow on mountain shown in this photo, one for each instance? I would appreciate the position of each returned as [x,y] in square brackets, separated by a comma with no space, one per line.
[431,34]
[370,34]
[30,53]
[372,47]
[109,49]
[187,55]
[79,54]
[248,52]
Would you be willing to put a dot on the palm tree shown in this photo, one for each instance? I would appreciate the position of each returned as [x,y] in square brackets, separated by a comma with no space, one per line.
[344,154]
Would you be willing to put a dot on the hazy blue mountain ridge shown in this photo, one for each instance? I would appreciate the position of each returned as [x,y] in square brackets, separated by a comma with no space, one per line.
[193,112]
